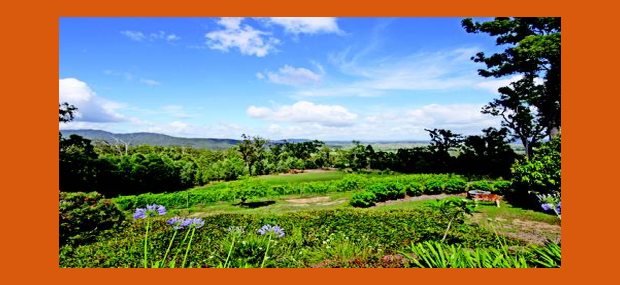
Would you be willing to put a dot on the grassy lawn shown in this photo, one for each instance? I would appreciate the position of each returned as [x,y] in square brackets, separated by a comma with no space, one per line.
[281,179]
[283,204]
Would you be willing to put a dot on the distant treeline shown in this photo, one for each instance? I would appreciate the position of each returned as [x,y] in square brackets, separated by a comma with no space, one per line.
[114,168]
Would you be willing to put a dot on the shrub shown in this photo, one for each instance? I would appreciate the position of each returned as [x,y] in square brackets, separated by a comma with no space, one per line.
[541,173]
[501,187]
[480,185]
[363,199]
[83,216]
[415,189]
[351,183]
[455,186]
[395,190]
[434,187]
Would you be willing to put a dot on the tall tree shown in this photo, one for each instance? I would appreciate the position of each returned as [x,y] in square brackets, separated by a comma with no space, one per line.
[252,150]
[534,51]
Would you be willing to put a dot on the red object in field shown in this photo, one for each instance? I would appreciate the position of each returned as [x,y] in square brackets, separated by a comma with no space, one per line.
[487,198]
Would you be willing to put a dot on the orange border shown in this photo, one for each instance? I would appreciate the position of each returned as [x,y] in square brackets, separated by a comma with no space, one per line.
[30,44]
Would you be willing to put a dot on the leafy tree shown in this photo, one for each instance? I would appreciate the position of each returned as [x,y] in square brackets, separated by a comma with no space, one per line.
[441,142]
[252,150]
[517,114]
[534,49]
[487,154]
[66,112]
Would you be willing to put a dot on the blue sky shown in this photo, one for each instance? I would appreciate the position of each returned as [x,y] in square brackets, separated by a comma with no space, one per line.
[315,78]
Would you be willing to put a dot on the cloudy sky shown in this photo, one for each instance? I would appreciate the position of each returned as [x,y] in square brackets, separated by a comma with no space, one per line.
[315,78]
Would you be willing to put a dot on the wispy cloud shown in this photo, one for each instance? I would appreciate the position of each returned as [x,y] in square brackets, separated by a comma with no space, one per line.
[130,77]
[246,39]
[150,82]
[306,25]
[289,75]
[446,70]
[139,36]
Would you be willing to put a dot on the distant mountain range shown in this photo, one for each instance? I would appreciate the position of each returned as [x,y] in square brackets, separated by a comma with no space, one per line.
[209,143]
[152,139]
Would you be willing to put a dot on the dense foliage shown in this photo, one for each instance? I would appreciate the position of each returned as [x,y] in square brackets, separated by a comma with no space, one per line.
[83,216]
[541,174]
[311,237]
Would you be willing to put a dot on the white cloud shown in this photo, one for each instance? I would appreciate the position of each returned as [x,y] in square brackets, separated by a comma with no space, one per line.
[126,75]
[439,71]
[150,82]
[91,108]
[393,124]
[248,40]
[172,37]
[134,35]
[130,77]
[289,75]
[139,36]
[493,85]
[176,111]
[307,25]
[260,75]
[305,112]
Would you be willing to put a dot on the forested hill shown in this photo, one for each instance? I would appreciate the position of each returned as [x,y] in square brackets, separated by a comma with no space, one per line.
[152,139]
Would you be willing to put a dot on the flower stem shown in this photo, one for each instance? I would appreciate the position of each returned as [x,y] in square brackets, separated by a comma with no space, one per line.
[266,251]
[187,249]
[169,246]
[182,243]
[230,251]
[146,236]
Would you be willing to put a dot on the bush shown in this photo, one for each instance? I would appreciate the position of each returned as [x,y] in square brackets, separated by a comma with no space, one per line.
[83,216]
[480,185]
[434,187]
[387,191]
[501,187]
[351,183]
[455,186]
[415,189]
[542,173]
[363,199]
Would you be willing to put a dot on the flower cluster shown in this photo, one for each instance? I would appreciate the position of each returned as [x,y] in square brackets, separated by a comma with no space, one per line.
[178,223]
[551,202]
[235,229]
[276,230]
[150,211]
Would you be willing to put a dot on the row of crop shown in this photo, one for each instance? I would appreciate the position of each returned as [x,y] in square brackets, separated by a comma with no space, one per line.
[256,188]
[383,191]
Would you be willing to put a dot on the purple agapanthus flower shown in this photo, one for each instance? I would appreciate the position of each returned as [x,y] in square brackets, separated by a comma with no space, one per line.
[276,230]
[177,223]
[558,208]
[161,210]
[150,211]
[140,213]
[547,207]
[195,223]
[235,229]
